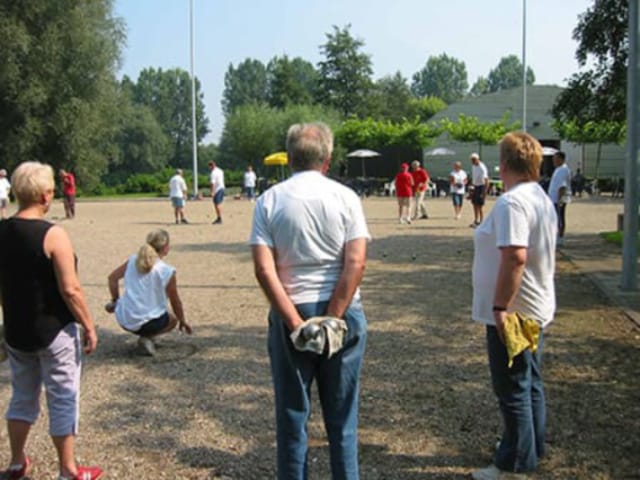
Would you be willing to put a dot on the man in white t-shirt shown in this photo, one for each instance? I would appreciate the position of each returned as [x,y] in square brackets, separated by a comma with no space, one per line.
[480,182]
[560,191]
[216,179]
[513,270]
[178,195]
[250,183]
[309,241]
[5,188]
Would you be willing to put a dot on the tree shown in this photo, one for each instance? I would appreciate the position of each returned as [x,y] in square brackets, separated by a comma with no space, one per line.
[481,87]
[345,73]
[471,129]
[243,85]
[508,74]
[443,77]
[355,133]
[598,94]
[290,82]
[426,107]
[168,95]
[390,99]
[57,78]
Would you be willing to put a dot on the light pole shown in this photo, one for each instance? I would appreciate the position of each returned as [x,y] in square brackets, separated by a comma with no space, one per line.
[194,137]
[630,235]
[524,66]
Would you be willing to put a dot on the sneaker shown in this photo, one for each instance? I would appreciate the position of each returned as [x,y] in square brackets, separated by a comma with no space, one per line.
[494,473]
[184,220]
[424,216]
[401,221]
[147,346]
[85,473]
[16,472]
[408,220]
[217,221]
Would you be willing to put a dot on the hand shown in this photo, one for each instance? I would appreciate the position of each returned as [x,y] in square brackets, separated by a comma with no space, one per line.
[111,306]
[183,326]
[89,341]
[499,318]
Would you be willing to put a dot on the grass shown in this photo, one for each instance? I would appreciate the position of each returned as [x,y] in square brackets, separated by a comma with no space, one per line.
[616,238]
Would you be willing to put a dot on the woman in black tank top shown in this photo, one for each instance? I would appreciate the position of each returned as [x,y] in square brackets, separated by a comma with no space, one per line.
[42,303]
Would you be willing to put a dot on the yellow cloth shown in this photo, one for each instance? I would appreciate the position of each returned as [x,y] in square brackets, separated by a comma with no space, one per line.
[520,333]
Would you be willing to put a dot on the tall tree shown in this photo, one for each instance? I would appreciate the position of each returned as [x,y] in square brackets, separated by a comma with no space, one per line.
[168,94]
[57,78]
[444,77]
[390,99]
[290,82]
[244,84]
[598,93]
[480,87]
[345,72]
[508,74]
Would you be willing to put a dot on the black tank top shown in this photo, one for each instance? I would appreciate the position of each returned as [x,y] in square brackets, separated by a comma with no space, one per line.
[34,311]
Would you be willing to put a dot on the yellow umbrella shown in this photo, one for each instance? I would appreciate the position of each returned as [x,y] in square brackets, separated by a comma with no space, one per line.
[278,158]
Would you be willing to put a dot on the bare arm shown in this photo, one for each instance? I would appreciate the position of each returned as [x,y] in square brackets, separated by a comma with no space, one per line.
[176,304]
[114,278]
[355,255]
[57,246]
[512,262]
[267,276]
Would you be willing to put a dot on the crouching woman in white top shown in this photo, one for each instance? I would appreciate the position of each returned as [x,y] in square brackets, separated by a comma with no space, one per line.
[148,282]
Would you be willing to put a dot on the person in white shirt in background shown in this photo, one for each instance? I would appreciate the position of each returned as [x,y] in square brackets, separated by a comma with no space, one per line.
[458,181]
[216,179]
[480,182]
[5,188]
[178,195]
[250,183]
[560,191]
[148,282]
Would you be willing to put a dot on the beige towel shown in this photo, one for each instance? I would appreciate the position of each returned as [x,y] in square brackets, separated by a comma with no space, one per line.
[520,333]
[318,334]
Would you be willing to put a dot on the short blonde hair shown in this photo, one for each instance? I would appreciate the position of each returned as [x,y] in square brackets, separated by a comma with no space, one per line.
[30,180]
[522,154]
[149,252]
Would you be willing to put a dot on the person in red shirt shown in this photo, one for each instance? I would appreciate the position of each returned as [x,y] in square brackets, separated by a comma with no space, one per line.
[404,192]
[68,193]
[420,181]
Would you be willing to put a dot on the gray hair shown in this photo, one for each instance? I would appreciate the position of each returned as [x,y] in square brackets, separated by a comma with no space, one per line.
[30,180]
[309,145]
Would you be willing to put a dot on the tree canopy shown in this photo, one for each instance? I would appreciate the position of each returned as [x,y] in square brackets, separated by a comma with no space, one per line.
[244,84]
[508,74]
[444,77]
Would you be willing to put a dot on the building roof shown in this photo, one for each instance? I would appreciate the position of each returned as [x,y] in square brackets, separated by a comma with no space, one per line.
[492,106]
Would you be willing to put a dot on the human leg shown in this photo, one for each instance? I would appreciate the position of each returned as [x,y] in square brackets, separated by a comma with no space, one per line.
[61,368]
[338,386]
[292,372]
[561,213]
[513,388]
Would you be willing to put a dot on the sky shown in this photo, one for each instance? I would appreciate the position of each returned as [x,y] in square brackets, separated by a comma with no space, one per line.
[399,35]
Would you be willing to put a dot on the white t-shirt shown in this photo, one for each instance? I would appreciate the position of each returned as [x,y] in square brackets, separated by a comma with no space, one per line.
[525,217]
[145,294]
[250,179]
[177,186]
[307,220]
[217,177]
[5,187]
[561,178]
[459,178]
[479,174]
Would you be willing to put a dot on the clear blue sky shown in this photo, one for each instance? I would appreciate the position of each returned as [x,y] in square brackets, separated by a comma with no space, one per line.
[399,35]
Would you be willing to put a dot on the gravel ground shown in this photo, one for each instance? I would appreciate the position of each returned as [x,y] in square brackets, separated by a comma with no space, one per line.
[203,407]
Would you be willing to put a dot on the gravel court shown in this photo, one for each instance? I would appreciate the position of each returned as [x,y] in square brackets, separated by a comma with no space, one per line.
[203,408]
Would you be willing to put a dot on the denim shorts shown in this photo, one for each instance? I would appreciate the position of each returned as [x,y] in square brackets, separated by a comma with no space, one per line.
[457,199]
[154,327]
[218,197]
[177,202]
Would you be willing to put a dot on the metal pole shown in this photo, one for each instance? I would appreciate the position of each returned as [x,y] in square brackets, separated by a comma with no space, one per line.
[524,66]
[630,224]
[194,137]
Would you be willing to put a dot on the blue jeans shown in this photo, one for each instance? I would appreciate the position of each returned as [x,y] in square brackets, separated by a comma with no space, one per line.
[521,397]
[338,385]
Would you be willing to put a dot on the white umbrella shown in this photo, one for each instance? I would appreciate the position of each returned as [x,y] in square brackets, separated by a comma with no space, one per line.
[440,151]
[547,151]
[362,154]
